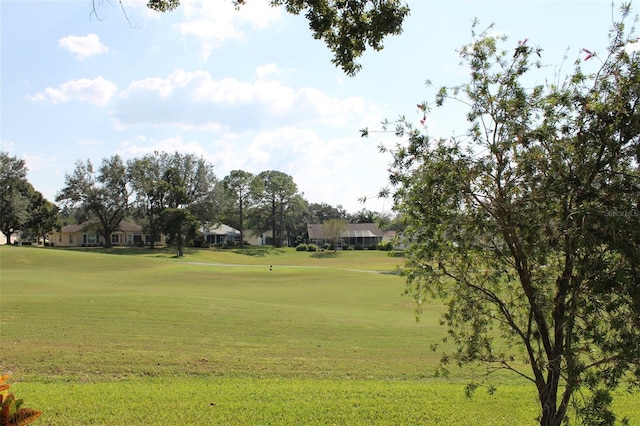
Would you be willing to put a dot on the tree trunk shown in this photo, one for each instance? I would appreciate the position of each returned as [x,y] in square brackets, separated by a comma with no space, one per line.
[273,224]
[241,224]
[152,243]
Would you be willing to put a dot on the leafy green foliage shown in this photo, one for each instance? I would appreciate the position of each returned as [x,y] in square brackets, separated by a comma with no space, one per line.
[385,245]
[11,411]
[348,28]
[528,226]
[22,208]
[274,192]
[102,193]
[237,185]
[163,181]
[180,226]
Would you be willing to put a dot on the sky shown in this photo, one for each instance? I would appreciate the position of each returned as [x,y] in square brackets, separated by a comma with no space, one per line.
[248,89]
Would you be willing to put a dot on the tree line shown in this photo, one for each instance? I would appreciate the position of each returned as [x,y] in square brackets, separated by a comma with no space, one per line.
[167,193]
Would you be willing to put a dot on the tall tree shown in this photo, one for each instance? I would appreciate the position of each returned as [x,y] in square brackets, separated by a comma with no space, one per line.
[238,187]
[364,216]
[145,177]
[296,218]
[321,212]
[103,193]
[273,191]
[14,194]
[528,226]
[346,27]
[178,181]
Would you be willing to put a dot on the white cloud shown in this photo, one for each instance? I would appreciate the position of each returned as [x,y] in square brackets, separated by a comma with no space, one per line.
[632,47]
[141,145]
[91,142]
[97,91]
[197,100]
[215,22]
[7,145]
[265,70]
[83,47]
[325,169]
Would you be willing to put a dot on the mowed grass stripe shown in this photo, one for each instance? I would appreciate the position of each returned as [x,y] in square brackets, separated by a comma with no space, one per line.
[198,401]
[128,336]
[102,316]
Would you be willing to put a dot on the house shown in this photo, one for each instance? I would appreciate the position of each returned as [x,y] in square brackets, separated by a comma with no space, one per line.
[87,235]
[223,234]
[362,234]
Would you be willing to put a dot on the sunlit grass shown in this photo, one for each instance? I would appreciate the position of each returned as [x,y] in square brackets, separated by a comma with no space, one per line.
[135,336]
[246,401]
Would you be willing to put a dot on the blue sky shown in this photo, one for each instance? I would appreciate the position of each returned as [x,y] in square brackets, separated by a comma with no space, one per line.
[247,90]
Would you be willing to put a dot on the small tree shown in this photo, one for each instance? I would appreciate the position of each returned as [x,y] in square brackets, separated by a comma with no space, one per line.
[180,227]
[528,225]
[43,217]
[333,229]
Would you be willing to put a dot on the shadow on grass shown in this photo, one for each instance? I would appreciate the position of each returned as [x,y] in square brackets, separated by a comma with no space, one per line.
[258,251]
[324,255]
[128,251]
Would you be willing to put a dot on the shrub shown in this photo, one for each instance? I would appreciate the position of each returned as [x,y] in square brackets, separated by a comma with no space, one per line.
[10,411]
[312,247]
[301,247]
[358,247]
[385,245]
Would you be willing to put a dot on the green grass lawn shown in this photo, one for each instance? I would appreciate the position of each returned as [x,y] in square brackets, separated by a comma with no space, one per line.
[254,336]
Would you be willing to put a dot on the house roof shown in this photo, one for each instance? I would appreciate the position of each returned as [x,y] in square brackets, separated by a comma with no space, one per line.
[353,230]
[123,226]
[222,230]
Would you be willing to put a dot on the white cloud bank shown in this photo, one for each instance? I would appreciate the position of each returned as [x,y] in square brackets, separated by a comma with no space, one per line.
[213,23]
[197,100]
[97,91]
[632,47]
[83,47]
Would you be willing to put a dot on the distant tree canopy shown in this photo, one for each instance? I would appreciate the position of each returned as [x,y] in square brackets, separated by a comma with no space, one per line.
[348,27]
[104,193]
[162,181]
[173,194]
[22,208]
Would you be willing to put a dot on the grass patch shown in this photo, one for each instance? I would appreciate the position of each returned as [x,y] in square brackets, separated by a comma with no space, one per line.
[246,401]
[135,336]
